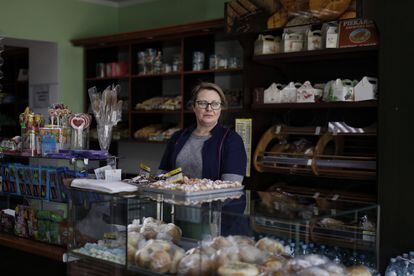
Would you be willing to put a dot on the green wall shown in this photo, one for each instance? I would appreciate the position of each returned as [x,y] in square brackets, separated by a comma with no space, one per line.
[155,14]
[59,21]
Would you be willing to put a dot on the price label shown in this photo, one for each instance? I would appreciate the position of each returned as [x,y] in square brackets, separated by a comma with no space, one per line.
[309,163]
[278,129]
[144,170]
[174,176]
[318,130]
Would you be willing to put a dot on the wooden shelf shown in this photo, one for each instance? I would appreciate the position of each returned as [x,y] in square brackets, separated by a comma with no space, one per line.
[326,105]
[230,110]
[50,251]
[317,55]
[156,111]
[108,78]
[143,141]
[216,71]
[172,74]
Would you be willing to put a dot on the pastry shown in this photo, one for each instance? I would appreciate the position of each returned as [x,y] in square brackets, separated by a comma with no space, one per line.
[277,19]
[131,253]
[239,269]
[328,9]
[143,256]
[270,245]
[160,261]
[195,265]
[169,232]
[133,238]
[294,6]
[335,269]
[357,271]
[133,228]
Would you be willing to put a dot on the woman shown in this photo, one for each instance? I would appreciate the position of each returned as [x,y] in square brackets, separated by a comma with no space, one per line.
[210,150]
[207,149]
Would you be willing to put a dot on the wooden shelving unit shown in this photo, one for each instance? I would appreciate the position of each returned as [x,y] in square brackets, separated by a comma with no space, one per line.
[323,105]
[53,252]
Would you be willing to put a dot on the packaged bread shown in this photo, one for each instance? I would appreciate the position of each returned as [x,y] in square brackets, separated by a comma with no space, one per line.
[239,269]
[359,270]
[270,245]
[195,265]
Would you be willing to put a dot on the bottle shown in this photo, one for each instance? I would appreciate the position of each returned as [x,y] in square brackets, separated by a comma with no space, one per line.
[392,269]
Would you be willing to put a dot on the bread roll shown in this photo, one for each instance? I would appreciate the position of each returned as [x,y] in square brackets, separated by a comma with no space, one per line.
[195,265]
[357,271]
[270,245]
[220,242]
[149,230]
[273,263]
[131,254]
[277,19]
[314,271]
[176,255]
[328,9]
[226,255]
[134,228]
[134,238]
[251,254]
[160,261]
[240,240]
[238,269]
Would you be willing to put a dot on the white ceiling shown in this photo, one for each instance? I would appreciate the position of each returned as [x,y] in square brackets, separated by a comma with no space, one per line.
[117,3]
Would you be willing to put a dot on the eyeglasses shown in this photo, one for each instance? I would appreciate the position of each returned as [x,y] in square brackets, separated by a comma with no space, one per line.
[204,104]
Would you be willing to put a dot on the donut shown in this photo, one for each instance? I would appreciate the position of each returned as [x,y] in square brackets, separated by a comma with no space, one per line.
[277,19]
[270,245]
[294,6]
[328,9]
[239,269]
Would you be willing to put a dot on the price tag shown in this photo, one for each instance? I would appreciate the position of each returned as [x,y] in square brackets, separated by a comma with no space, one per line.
[113,175]
[174,176]
[278,129]
[318,130]
[85,161]
[144,170]
[100,172]
[335,197]
[316,195]
[309,163]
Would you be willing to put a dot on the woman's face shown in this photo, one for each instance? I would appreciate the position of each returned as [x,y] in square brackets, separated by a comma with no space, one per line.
[207,108]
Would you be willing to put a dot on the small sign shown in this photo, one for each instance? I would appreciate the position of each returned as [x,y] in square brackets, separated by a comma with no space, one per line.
[357,32]
[244,129]
[113,175]
[144,170]
[40,95]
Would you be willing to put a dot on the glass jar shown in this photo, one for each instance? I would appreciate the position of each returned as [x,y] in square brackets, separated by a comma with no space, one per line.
[198,61]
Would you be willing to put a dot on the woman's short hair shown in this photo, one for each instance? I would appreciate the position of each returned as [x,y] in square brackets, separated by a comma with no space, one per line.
[208,86]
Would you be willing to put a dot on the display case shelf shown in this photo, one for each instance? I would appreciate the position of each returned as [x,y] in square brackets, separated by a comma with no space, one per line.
[317,55]
[172,74]
[323,105]
[218,71]
[156,111]
[108,78]
[53,252]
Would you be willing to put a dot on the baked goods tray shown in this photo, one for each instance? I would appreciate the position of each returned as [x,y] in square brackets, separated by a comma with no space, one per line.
[192,194]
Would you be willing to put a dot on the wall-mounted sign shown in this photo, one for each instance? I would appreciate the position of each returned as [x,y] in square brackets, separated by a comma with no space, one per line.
[40,95]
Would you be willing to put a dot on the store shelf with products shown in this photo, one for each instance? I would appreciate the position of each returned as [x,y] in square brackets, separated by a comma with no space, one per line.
[289,224]
[334,54]
[215,71]
[270,107]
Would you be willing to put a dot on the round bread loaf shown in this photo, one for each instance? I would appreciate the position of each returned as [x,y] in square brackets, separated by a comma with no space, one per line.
[195,265]
[160,261]
[328,9]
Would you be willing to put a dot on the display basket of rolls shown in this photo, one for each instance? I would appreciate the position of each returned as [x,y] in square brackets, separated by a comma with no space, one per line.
[334,152]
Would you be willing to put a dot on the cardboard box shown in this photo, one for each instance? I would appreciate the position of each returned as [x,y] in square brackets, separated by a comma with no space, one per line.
[357,32]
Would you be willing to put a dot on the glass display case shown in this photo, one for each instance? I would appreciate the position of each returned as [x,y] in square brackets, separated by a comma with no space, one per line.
[261,232]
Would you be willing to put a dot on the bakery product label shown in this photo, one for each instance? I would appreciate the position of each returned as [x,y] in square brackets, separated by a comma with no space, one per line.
[357,32]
